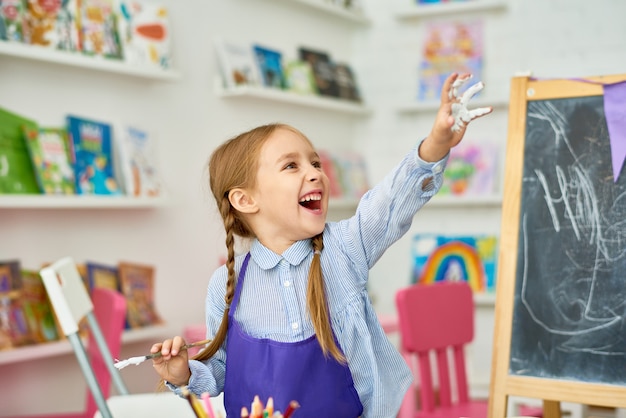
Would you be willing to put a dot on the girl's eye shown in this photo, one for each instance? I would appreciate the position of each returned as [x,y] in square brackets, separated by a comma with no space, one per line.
[317,164]
[291,165]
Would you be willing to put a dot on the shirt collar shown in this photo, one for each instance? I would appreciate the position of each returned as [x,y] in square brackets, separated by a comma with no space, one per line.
[267,259]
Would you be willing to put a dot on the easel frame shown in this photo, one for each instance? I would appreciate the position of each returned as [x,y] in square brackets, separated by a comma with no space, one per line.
[503,385]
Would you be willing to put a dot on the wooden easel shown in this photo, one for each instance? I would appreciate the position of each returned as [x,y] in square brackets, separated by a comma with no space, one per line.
[503,383]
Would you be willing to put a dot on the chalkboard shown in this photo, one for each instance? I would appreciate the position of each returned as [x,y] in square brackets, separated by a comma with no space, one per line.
[560,332]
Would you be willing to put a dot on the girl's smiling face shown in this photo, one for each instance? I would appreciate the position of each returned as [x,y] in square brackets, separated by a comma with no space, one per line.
[291,192]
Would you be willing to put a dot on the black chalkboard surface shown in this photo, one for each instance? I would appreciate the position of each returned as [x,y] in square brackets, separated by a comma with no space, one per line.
[569,317]
[560,318]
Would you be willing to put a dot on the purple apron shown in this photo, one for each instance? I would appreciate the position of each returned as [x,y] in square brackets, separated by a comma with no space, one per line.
[286,371]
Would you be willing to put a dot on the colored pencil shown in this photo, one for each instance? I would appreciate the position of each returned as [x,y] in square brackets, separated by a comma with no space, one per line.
[244,412]
[269,406]
[293,405]
[206,399]
[257,408]
[196,406]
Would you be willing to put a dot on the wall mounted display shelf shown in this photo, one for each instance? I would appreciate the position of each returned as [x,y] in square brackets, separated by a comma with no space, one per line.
[439,201]
[56,348]
[433,106]
[39,201]
[319,102]
[333,9]
[343,204]
[437,9]
[84,61]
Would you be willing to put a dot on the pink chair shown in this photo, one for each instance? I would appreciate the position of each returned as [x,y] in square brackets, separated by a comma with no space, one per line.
[439,318]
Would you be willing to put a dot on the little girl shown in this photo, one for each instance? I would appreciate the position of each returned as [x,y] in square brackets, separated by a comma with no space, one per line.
[291,318]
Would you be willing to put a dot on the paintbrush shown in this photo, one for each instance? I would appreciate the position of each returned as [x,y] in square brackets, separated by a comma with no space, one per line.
[120,364]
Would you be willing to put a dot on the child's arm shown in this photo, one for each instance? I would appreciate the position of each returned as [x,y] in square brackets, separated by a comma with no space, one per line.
[452,118]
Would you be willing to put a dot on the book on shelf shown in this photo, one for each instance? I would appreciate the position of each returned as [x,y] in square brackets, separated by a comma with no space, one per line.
[137,281]
[144,30]
[352,174]
[92,144]
[52,24]
[37,308]
[323,70]
[99,33]
[102,276]
[470,258]
[138,160]
[346,172]
[472,170]
[449,46]
[237,63]
[16,169]
[50,153]
[270,66]
[299,77]
[347,87]
[13,324]
[11,17]
[330,169]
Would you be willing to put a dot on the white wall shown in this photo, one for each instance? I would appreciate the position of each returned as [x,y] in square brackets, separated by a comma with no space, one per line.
[553,38]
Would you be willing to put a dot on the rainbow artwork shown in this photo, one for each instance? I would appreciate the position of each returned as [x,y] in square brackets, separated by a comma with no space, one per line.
[468,258]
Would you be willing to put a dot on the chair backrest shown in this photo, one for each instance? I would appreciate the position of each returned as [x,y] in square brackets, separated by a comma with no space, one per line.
[437,318]
[68,295]
[110,312]
[105,313]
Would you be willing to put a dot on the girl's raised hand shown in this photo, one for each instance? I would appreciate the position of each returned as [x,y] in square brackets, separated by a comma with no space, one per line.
[452,118]
[172,365]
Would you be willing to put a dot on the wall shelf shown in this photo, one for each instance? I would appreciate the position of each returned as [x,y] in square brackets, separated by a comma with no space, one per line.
[57,348]
[277,95]
[343,203]
[332,9]
[439,9]
[74,59]
[433,106]
[39,201]
[440,201]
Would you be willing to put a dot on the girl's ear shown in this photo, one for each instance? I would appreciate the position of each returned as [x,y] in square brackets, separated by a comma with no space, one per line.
[242,201]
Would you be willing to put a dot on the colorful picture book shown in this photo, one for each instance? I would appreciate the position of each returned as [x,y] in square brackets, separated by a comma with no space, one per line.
[145,33]
[99,33]
[449,47]
[52,24]
[237,63]
[14,330]
[51,156]
[138,161]
[17,175]
[102,276]
[299,77]
[11,17]
[346,172]
[270,66]
[37,309]
[470,258]
[347,87]
[137,281]
[472,170]
[92,142]
[323,70]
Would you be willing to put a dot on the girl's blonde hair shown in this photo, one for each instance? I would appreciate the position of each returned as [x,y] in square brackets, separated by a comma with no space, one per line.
[232,165]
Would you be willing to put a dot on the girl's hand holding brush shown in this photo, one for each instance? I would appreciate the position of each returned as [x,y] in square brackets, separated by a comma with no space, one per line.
[172,364]
[169,359]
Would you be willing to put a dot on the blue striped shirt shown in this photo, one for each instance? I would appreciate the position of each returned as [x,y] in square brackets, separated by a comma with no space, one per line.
[273,300]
